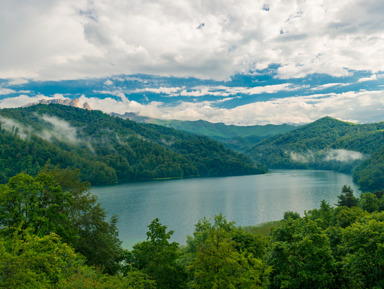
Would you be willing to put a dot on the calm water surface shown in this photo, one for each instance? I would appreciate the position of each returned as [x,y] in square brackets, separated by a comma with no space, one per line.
[248,200]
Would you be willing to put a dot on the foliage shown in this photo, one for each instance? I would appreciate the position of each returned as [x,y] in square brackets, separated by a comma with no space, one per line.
[370,173]
[157,257]
[57,201]
[291,215]
[219,255]
[89,278]
[263,229]
[346,198]
[53,234]
[324,144]
[301,256]
[363,248]
[219,265]
[238,138]
[108,149]
[369,202]
[30,261]
[330,247]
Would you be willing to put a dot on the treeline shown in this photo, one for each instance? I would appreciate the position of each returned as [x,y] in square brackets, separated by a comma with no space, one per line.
[108,149]
[308,146]
[239,138]
[53,234]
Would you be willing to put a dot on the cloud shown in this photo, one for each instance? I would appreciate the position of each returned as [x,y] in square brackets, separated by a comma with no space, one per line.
[340,155]
[343,155]
[4,91]
[355,106]
[61,130]
[161,90]
[122,106]
[304,158]
[20,100]
[81,38]
[364,79]
[222,91]
[15,127]
[329,85]
[17,81]
[350,106]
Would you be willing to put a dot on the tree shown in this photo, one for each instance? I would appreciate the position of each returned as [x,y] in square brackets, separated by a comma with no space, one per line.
[57,201]
[157,257]
[363,250]
[346,198]
[301,256]
[369,202]
[30,261]
[219,255]
[290,214]
[344,216]
[37,203]
[219,265]
[203,229]
[325,214]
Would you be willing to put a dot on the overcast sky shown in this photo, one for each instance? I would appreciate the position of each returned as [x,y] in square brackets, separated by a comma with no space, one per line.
[212,40]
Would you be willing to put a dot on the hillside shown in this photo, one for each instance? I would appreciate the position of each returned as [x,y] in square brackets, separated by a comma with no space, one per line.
[324,144]
[370,173]
[108,149]
[239,138]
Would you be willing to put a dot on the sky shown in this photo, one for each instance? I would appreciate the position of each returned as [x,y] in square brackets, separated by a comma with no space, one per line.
[243,62]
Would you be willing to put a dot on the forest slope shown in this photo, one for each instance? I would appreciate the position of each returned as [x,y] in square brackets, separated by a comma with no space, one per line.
[324,144]
[239,138]
[108,149]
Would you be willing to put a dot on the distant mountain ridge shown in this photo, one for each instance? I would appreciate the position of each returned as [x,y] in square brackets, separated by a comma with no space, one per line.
[108,149]
[239,138]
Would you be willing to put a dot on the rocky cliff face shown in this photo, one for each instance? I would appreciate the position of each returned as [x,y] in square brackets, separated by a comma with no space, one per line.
[68,102]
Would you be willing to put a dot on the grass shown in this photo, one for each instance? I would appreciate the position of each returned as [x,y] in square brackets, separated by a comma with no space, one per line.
[262,229]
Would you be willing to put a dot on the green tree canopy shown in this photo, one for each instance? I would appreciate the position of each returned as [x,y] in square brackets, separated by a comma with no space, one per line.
[56,201]
[157,257]
[346,198]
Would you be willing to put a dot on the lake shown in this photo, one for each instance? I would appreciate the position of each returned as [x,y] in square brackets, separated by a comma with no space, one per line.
[248,200]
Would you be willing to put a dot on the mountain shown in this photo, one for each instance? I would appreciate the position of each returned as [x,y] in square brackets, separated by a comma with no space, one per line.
[108,149]
[327,143]
[239,138]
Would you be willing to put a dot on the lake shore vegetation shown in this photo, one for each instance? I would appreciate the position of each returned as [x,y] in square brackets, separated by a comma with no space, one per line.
[54,234]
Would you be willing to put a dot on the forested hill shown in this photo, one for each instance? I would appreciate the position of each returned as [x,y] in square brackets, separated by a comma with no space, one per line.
[370,173]
[324,144]
[239,138]
[108,149]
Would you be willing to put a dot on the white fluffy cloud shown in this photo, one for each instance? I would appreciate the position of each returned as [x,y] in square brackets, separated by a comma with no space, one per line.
[56,39]
[221,91]
[5,91]
[359,107]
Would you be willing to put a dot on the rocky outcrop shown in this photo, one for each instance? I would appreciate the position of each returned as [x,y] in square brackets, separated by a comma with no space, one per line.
[68,102]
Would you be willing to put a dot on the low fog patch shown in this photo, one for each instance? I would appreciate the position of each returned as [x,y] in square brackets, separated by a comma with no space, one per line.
[304,158]
[343,155]
[61,130]
[331,155]
[15,127]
